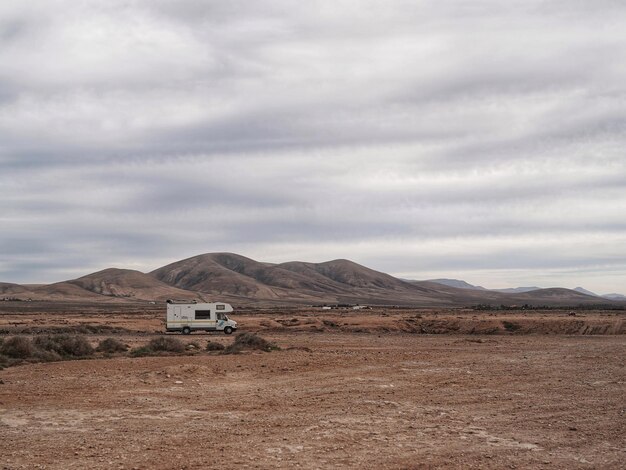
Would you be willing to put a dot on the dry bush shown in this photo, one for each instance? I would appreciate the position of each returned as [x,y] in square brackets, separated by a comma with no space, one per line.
[17,347]
[250,341]
[111,345]
[69,329]
[47,356]
[510,326]
[66,346]
[159,345]
[214,346]
[167,344]
[141,351]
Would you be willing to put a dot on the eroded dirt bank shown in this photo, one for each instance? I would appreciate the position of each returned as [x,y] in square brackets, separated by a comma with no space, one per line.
[386,400]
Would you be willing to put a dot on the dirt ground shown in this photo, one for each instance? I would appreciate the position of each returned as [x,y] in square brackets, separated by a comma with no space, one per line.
[344,392]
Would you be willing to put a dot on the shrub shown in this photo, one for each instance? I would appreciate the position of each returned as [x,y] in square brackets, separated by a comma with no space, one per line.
[17,347]
[65,345]
[214,346]
[510,326]
[245,341]
[157,345]
[76,346]
[4,361]
[141,351]
[47,343]
[47,356]
[166,343]
[111,345]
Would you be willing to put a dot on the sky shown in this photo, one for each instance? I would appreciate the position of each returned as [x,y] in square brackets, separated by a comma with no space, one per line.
[478,140]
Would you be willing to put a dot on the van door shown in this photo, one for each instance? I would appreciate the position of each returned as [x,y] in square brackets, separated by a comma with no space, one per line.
[221,321]
[213,321]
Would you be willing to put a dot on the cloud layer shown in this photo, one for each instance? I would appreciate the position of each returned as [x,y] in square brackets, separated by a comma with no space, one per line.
[477,140]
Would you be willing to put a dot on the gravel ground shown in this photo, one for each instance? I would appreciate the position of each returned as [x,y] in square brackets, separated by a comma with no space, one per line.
[339,399]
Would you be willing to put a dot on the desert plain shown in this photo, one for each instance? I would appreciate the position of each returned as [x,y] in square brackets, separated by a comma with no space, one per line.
[380,388]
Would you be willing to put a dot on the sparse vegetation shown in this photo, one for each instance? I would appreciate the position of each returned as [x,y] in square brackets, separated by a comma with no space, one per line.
[66,346]
[156,346]
[166,344]
[214,346]
[84,329]
[510,326]
[249,341]
[17,347]
[111,345]
[141,351]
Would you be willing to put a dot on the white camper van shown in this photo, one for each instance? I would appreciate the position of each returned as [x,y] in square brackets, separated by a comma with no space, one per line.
[185,317]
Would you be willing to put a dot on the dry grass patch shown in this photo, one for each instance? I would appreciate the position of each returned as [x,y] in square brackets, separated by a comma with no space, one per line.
[156,346]
[17,347]
[66,346]
[111,346]
[250,341]
[214,346]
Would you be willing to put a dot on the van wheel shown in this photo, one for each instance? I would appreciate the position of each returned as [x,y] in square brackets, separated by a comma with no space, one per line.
[228,330]
[186,330]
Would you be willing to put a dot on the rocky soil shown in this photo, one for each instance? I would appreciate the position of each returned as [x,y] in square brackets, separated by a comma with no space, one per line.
[332,397]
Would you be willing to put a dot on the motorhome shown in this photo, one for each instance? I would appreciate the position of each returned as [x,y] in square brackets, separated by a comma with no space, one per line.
[185,316]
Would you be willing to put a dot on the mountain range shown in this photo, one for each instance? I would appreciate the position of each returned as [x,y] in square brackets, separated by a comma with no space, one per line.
[243,281]
[516,290]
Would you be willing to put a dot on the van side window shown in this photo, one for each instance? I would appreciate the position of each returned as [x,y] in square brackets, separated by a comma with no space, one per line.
[221,316]
[203,314]
[220,307]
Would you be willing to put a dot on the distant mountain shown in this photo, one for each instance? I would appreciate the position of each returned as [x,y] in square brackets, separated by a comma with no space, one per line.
[556,296]
[460,284]
[465,285]
[517,290]
[618,297]
[457,283]
[243,281]
[585,291]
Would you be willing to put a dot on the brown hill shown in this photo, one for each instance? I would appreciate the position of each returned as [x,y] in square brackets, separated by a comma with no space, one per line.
[8,289]
[57,291]
[240,280]
[109,285]
[130,284]
[342,274]
[340,281]
[556,296]
[224,274]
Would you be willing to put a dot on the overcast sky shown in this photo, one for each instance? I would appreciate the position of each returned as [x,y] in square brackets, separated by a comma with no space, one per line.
[480,140]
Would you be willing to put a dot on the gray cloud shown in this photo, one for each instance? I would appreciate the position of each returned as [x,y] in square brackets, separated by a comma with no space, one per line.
[425,139]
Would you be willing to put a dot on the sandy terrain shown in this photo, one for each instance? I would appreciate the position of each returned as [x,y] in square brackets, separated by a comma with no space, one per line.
[373,398]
